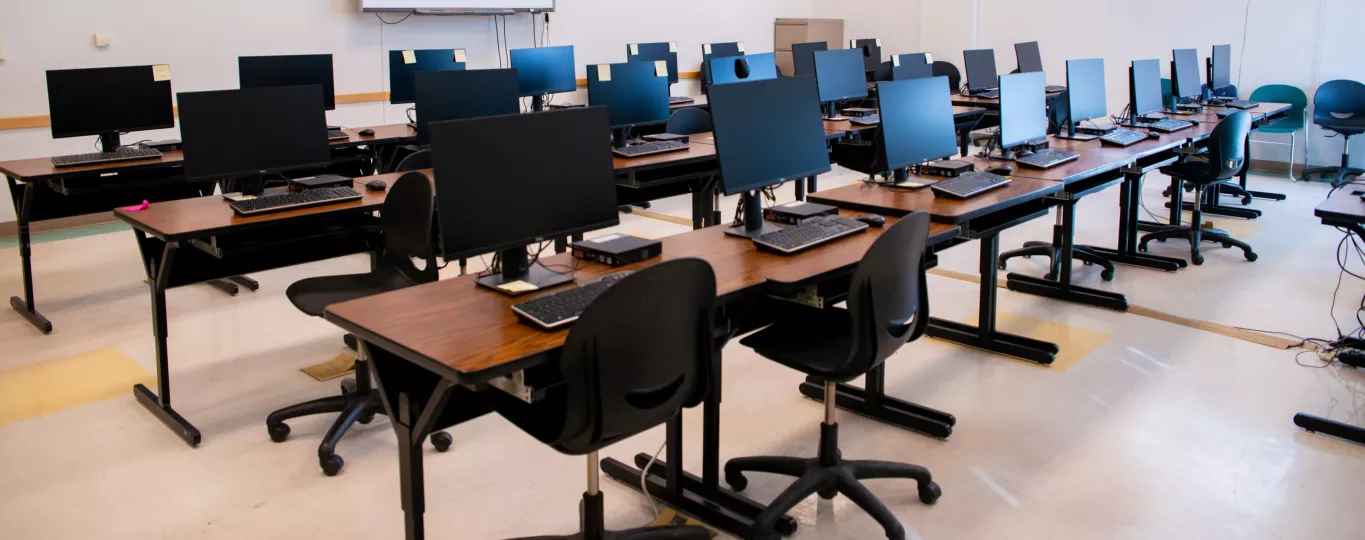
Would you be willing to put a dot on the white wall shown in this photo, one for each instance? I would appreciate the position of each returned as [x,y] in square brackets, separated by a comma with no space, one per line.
[202,40]
[895,22]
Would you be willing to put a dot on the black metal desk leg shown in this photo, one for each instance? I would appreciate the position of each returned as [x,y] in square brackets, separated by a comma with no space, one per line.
[872,402]
[1130,206]
[1062,288]
[159,403]
[26,306]
[984,336]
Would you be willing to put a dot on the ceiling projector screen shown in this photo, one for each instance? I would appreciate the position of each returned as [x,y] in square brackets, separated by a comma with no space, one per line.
[457,6]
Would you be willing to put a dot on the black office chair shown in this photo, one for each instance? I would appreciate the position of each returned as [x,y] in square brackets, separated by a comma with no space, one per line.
[1224,159]
[888,306]
[639,354]
[689,121]
[947,69]
[1339,107]
[406,217]
[415,161]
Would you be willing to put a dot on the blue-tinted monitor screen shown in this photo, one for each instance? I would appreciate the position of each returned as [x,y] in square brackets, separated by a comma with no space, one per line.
[1085,86]
[402,88]
[653,52]
[803,57]
[840,75]
[751,67]
[635,93]
[768,132]
[1185,73]
[544,70]
[1030,60]
[1222,67]
[980,69]
[1145,87]
[917,121]
[1023,108]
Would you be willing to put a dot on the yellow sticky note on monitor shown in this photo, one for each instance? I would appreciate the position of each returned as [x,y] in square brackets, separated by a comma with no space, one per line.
[660,68]
[672,46]
[706,48]
[928,58]
[740,46]
[409,57]
[459,55]
[161,72]
[518,286]
[879,42]
[852,43]
[896,60]
[635,49]
[604,72]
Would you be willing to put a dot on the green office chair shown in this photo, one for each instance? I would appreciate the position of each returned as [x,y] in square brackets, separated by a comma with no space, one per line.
[1167,95]
[1292,124]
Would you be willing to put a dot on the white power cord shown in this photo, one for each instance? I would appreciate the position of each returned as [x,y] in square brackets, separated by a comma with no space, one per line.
[644,480]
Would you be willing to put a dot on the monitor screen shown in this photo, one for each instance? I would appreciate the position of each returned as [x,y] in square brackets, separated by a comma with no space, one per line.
[1185,73]
[545,70]
[917,121]
[768,132]
[1085,88]
[456,95]
[1221,77]
[295,70]
[717,50]
[872,52]
[803,57]
[402,87]
[981,73]
[492,195]
[1023,108]
[108,100]
[653,52]
[839,75]
[634,93]
[1030,60]
[1144,87]
[238,133]
[906,66]
[750,67]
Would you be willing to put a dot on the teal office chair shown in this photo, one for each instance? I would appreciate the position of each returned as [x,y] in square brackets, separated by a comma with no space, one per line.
[1293,123]
[1167,95]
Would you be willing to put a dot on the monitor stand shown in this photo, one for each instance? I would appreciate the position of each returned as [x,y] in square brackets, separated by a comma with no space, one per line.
[537,103]
[619,137]
[109,142]
[832,114]
[753,226]
[516,266]
[1070,133]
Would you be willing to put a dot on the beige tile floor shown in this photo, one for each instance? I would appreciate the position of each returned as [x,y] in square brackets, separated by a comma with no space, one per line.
[1161,432]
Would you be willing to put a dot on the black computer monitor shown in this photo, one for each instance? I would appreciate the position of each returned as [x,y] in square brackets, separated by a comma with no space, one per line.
[1144,88]
[906,66]
[981,73]
[498,197]
[1185,74]
[109,101]
[1220,67]
[1023,109]
[1030,60]
[767,132]
[403,64]
[544,70]
[457,95]
[246,133]
[917,122]
[634,93]
[803,57]
[291,70]
[654,52]
[750,67]
[711,51]
[839,77]
[872,52]
[1085,92]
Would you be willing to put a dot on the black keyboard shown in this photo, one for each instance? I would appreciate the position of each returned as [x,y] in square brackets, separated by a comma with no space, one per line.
[650,148]
[1053,89]
[810,233]
[869,120]
[1047,158]
[1123,137]
[122,154]
[293,200]
[679,100]
[968,184]
[1169,126]
[337,135]
[555,310]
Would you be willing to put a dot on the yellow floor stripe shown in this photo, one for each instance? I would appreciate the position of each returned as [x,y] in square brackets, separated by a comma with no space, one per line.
[661,217]
[57,385]
[1076,342]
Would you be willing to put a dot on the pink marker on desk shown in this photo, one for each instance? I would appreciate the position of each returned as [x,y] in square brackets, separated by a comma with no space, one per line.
[139,207]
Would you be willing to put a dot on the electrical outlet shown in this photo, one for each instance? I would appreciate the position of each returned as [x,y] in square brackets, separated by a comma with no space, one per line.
[101,40]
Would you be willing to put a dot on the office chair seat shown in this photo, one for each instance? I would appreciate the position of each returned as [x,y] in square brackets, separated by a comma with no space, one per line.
[1194,167]
[313,295]
[1354,125]
[813,341]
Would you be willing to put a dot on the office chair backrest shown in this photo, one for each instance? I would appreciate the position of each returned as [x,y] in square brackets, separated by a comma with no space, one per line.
[689,121]
[1338,99]
[1227,147]
[947,69]
[406,218]
[1229,91]
[888,299]
[1284,93]
[415,161]
[639,354]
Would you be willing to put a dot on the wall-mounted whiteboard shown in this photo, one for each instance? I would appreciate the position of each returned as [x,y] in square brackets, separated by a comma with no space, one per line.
[457,5]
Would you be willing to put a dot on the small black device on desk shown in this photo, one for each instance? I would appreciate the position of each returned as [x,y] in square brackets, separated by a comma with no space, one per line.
[617,249]
[794,213]
[319,181]
[564,307]
[968,185]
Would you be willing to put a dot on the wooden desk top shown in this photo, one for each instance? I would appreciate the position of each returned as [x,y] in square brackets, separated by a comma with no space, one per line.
[699,101]
[899,202]
[457,327]
[1343,207]
[988,103]
[701,147]
[1096,157]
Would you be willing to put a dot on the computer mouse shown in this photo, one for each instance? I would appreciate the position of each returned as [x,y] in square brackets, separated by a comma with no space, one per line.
[872,220]
[1003,170]
[1153,135]
[376,185]
[1195,122]
[366,132]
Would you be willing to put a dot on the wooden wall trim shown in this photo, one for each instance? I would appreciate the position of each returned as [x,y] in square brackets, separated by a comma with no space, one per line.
[28,122]
[10,229]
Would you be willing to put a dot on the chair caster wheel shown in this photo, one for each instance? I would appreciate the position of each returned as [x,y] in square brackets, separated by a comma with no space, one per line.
[278,432]
[929,493]
[1252,256]
[785,526]
[348,387]
[737,481]
[1087,263]
[365,418]
[1246,200]
[1107,275]
[331,465]
[1197,260]
[828,494]
[1162,240]
[442,441]
[1142,248]
[1050,276]
[1002,266]
[1227,246]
